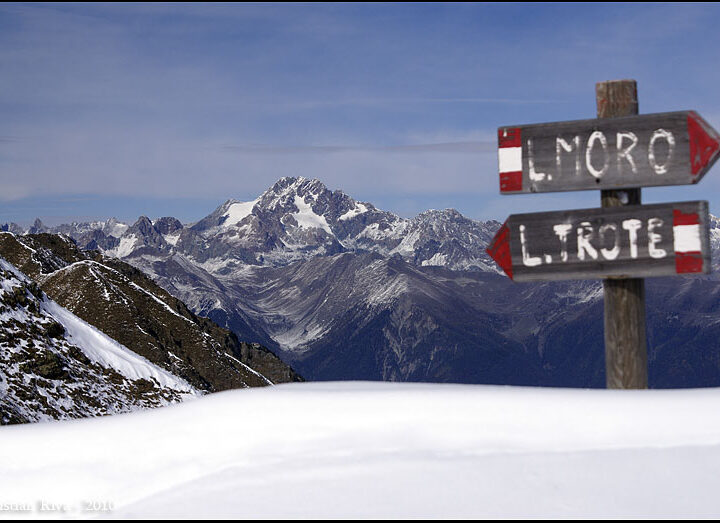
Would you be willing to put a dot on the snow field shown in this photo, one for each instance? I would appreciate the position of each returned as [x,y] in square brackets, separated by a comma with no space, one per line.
[382,449]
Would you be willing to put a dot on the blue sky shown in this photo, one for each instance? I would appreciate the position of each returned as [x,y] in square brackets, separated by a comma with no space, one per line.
[122,110]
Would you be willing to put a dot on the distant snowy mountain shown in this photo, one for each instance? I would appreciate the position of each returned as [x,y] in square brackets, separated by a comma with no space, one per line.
[343,290]
[56,366]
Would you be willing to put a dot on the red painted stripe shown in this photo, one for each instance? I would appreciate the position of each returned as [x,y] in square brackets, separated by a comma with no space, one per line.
[686,262]
[499,250]
[509,137]
[511,182]
[703,146]
[681,218]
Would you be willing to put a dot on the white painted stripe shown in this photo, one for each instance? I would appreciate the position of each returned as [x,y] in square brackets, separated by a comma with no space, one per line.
[510,159]
[687,238]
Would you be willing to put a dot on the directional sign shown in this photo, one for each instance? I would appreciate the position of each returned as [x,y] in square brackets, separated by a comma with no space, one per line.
[630,241]
[606,153]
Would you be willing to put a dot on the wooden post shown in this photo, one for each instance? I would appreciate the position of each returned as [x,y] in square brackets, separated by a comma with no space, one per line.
[625,342]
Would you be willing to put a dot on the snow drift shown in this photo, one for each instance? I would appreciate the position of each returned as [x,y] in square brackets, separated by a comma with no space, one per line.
[378,449]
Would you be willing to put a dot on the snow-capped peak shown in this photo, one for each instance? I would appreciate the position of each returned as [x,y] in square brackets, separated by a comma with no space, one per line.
[283,192]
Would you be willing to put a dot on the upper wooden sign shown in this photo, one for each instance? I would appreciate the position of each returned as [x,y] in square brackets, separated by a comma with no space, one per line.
[606,153]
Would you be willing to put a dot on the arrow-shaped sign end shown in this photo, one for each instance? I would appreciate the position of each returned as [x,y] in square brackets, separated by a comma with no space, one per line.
[499,250]
[704,145]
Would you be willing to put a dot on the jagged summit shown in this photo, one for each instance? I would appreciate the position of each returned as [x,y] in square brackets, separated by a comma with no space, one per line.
[143,225]
[297,183]
[38,226]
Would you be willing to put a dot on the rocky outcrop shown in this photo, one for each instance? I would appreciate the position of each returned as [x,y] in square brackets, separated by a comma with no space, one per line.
[54,366]
[122,302]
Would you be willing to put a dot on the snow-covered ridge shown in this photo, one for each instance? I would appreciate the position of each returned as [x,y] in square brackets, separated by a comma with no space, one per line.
[97,346]
[56,366]
[18,276]
[128,307]
[102,349]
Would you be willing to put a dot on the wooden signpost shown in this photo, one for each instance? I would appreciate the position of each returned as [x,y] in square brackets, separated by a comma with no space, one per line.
[623,241]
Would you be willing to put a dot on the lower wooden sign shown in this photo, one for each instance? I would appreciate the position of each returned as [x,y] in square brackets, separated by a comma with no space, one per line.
[634,241]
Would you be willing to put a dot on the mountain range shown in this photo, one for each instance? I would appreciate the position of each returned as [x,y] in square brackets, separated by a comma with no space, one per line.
[342,290]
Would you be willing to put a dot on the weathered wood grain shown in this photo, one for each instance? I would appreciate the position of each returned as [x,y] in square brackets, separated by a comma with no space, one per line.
[626,364]
[625,319]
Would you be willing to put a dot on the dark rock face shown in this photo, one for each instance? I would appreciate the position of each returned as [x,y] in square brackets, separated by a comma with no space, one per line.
[97,240]
[167,225]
